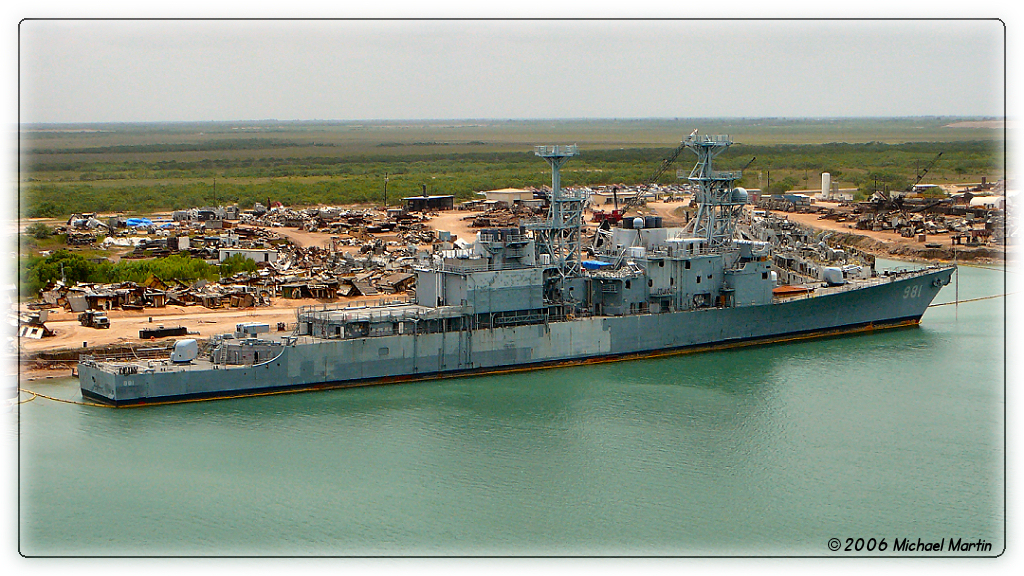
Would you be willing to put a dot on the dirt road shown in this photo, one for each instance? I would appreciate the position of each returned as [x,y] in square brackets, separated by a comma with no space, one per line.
[458,222]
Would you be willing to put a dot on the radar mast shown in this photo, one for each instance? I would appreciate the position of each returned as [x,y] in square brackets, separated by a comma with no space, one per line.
[717,200]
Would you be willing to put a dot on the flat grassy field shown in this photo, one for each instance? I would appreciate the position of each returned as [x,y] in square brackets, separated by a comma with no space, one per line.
[142,168]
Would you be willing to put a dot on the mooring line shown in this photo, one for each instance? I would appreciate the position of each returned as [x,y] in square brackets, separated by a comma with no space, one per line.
[34,394]
[971,300]
[983,267]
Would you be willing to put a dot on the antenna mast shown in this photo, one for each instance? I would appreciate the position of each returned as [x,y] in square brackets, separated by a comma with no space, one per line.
[716,198]
[559,234]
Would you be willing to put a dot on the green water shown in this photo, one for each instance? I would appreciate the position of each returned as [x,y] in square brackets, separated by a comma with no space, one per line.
[769,450]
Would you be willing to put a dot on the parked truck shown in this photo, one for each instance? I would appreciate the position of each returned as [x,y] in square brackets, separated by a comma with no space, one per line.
[94,319]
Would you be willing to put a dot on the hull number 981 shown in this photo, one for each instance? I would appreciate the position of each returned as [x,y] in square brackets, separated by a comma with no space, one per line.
[912,291]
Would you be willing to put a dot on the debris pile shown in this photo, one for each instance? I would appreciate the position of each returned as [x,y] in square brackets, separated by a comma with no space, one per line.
[356,262]
[966,229]
[30,324]
[502,217]
[333,220]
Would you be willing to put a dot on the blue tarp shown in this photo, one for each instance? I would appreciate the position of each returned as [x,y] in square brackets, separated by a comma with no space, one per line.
[133,222]
[594,264]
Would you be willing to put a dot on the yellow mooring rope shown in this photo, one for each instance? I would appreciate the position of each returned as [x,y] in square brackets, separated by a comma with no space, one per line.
[971,300]
[37,394]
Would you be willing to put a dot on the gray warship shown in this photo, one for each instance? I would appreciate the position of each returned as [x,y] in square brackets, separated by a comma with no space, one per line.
[535,297]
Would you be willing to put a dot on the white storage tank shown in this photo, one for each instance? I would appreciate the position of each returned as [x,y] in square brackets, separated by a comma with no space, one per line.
[826,184]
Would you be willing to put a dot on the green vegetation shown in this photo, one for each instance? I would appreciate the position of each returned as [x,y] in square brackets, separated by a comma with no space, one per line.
[873,165]
[35,272]
[236,263]
[140,187]
[30,244]
[46,209]
[39,231]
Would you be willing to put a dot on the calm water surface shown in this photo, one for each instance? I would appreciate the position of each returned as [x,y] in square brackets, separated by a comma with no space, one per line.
[769,450]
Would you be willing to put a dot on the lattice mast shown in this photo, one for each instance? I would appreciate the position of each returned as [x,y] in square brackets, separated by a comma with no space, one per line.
[717,202]
[560,234]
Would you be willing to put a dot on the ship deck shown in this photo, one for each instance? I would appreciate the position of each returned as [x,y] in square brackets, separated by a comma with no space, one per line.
[395,312]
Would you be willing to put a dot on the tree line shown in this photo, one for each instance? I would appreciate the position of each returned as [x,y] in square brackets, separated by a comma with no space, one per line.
[71,268]
[311,180]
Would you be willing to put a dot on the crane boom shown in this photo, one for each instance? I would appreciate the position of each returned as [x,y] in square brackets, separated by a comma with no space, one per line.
[925,171]
[637,198]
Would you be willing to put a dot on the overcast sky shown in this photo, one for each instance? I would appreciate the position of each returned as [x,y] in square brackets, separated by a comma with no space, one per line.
[103,71]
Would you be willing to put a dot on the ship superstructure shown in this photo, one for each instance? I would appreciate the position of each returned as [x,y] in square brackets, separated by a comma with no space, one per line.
[529,297]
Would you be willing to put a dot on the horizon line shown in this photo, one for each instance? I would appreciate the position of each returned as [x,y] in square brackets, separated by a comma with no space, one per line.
[499,119]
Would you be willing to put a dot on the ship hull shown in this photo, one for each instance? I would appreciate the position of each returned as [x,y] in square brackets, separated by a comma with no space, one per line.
[387,359]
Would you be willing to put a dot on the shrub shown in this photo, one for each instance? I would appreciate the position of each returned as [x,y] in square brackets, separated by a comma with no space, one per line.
[39,231]
[236,263]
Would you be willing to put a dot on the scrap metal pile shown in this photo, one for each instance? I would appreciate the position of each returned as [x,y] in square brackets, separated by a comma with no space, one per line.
[965,226]
[504,217]
[334,220]
[371,252]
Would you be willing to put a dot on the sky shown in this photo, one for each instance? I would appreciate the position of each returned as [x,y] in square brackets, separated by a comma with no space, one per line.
[209,70]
